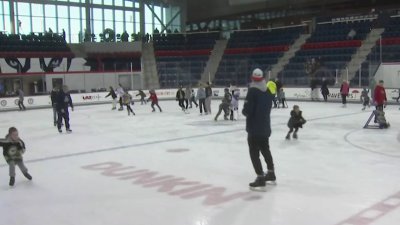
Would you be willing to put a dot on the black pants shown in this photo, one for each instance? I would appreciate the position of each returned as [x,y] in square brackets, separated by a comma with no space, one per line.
[283,100]
[187,103]
[325,97]
[152,106]
[128,107]
[21,105]
[295,129]
[257,145]
[120,102]
[63,113]
[202,105]
[181,103]
[344,99]
[192,99]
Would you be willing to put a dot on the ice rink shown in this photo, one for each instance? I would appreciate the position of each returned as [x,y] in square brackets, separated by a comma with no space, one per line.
[186,169]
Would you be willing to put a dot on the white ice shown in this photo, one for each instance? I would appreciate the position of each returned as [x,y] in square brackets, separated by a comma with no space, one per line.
[335,173]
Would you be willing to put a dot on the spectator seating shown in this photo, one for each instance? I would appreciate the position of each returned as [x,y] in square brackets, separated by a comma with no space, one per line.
[247,50]
[330,45]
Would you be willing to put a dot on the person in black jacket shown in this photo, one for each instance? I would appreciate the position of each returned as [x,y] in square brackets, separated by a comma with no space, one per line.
[63,102]
[180,97]
[114,98]
[13,149]
[295,122]
[324,89]
[53,96]
[142,97]
[257,109]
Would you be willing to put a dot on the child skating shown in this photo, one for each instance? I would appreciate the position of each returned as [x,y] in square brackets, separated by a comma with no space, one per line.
[127,100]
[296,121]
[365,98]
[154,100]
[13,149]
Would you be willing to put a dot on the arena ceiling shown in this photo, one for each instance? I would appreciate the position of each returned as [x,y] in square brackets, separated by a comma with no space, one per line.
[203,10]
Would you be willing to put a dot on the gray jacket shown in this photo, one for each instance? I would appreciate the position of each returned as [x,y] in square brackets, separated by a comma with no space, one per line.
[201,93]
[21,95]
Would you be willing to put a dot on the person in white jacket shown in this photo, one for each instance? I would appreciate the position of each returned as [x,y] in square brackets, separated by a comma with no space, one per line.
[120,92]
[235,104]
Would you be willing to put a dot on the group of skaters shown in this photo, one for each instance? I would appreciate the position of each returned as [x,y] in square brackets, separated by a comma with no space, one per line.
[125,99]
[186,98]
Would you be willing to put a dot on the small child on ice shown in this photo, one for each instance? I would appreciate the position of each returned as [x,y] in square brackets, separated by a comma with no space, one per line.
[282,98]
[295,122]
[154,100]
[13,149]
[235,104]
[127,100]
[365,98]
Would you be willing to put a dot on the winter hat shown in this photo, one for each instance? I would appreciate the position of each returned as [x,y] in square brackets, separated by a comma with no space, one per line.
[257,75]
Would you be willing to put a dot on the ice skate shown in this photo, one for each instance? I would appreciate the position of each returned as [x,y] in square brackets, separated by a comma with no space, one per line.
[270,178]
[28,176]
[12,181]
[69,130]
[363,108]
[287,137]
[59,131]
[258,184]
[295,135]
[113,108]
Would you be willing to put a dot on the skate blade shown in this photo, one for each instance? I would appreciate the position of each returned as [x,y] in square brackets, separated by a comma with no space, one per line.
[258,189]
[270,182]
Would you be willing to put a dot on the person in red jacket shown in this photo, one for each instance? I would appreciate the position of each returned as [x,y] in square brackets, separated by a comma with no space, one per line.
[380,96]
[154,100]
[344,91]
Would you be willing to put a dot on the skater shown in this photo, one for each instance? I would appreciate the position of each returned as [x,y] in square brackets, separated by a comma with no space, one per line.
[180,97]
[295,122]
[127,101]
[344,91]
[365,98]
[226,103]
[201,96]
[21,95]
[13,149]
[188,95]
[120,92]
[193,100]
[114,98]
[53,96]
[271,86]
[282,98]
[208,98]
[154,100]
[257,109]
[324,89]
[142,97]
[235,104]
[63,102]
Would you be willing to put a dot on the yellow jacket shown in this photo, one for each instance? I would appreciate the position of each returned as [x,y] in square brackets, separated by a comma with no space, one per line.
[271,86]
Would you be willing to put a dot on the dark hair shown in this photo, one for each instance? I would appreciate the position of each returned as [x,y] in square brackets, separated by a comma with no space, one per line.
[10,130]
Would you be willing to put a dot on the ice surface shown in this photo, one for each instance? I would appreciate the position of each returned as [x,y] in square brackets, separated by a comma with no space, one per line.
[186,169]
